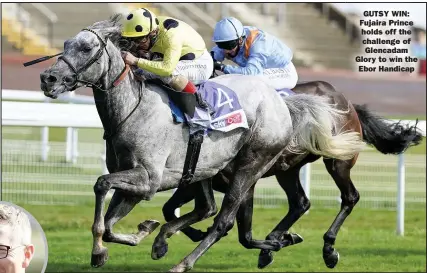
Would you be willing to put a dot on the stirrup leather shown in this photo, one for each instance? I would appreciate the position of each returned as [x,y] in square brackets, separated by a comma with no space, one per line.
[191,158]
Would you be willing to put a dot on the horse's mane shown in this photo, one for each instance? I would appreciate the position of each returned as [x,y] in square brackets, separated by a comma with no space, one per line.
[110,28]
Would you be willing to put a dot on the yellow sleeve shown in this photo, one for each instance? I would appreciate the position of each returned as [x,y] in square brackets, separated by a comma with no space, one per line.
[172,44]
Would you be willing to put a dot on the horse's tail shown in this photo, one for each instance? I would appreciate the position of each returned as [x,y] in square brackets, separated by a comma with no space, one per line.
[315,128]
[386,136]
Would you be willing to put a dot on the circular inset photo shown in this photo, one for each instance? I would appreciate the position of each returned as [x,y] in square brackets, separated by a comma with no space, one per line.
[23,244]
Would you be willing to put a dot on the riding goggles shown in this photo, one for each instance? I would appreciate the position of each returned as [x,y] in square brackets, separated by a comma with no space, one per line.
[229,45]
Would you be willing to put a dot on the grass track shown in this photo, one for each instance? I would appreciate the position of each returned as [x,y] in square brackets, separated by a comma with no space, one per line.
[367,242]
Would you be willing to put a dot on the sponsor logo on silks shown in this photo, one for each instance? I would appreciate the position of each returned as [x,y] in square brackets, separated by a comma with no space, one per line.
[236,118]
[219,124]
[227,121]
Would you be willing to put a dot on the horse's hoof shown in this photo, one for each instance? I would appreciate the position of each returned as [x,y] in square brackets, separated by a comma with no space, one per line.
[296,238]
[265,259]
[159,252]
[331,259]
[148,225]
[100,258]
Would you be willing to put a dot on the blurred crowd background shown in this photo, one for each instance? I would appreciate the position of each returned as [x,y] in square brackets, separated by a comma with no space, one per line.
[322,35]
[325,38]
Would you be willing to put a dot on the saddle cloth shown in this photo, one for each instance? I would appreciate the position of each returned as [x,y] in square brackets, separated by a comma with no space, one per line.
[228,116]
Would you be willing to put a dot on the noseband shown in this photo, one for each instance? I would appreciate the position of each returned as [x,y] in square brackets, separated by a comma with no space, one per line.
[95,58]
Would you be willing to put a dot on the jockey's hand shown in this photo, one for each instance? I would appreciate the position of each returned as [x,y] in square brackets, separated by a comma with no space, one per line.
[129,58]
[144,54]
[219,66]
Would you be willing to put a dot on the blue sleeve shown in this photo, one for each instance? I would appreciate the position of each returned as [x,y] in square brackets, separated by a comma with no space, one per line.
[255,65]
[218,54]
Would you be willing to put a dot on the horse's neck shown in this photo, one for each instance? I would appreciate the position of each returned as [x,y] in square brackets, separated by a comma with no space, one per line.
[116,104]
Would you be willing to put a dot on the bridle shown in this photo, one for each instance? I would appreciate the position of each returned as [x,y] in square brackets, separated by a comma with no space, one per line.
[98,54]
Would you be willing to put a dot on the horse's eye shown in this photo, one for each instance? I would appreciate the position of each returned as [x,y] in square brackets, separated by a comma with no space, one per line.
[87,49]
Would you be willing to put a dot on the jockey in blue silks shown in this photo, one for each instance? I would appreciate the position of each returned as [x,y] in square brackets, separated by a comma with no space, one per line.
[255,51]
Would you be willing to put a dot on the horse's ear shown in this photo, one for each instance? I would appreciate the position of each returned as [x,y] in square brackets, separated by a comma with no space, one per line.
[112,33]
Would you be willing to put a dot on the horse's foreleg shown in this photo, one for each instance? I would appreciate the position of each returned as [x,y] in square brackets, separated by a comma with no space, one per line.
[223,222]
[181,196]
[340,172]
[184,195]
[120,206]
[298,205]
[204,207]
[134,182]
[244,224]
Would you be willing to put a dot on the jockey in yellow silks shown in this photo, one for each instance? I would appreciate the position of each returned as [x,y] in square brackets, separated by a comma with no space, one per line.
[185,60]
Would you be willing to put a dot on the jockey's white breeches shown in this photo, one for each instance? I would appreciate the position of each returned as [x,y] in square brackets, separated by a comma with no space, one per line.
[197,70]
[280,78]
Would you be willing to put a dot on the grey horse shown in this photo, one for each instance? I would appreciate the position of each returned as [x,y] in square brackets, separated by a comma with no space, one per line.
[146,149]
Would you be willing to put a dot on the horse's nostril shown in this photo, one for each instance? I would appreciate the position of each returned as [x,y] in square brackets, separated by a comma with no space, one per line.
[51,79]
[47,78]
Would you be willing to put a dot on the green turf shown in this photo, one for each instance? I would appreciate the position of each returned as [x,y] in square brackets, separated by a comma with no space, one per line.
[366,242]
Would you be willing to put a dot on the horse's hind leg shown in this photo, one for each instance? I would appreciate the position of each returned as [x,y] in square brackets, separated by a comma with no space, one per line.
[204,207]
[340,172]
[120,206]
[298,204]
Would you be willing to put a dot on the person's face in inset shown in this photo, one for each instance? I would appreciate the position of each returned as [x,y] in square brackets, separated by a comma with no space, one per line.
[18,256]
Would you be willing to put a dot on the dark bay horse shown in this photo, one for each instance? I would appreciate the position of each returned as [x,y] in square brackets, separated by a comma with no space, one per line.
[386,137]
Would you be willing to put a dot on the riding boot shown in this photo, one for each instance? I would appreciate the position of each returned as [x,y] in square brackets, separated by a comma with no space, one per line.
[182,84]
[193,151]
